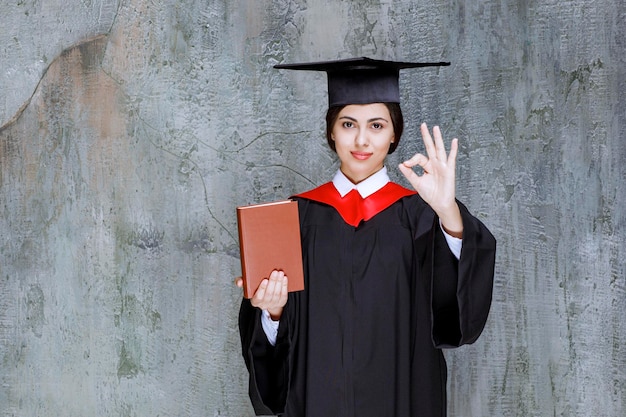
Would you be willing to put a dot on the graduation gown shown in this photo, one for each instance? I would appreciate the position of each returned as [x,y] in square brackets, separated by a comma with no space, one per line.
[382,296]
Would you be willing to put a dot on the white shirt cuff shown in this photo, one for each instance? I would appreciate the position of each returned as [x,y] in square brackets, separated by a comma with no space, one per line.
[454,243]
[270,327]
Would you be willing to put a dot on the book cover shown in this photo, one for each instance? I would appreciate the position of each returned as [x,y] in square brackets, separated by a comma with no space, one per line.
[269,239]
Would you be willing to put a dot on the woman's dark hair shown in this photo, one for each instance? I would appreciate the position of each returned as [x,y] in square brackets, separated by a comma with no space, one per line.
[397,120]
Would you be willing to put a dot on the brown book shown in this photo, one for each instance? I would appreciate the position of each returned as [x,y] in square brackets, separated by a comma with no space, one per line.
[269,239]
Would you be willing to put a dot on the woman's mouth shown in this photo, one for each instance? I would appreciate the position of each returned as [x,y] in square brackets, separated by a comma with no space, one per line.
[361,155]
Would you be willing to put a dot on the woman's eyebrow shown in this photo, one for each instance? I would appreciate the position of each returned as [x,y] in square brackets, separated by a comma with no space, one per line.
[373,119]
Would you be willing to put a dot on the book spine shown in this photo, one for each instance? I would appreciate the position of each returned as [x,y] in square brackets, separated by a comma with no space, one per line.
[242,254]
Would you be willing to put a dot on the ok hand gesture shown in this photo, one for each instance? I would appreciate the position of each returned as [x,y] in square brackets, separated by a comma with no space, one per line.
[437,184]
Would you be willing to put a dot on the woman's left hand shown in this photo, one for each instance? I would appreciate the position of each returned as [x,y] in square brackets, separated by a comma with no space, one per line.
[437,184]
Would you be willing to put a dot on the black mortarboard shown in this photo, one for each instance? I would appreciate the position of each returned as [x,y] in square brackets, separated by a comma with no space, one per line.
[361,80]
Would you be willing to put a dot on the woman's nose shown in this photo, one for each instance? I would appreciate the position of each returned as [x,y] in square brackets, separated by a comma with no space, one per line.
[361,138]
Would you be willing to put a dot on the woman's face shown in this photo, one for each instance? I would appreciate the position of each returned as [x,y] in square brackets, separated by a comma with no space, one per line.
[362,134]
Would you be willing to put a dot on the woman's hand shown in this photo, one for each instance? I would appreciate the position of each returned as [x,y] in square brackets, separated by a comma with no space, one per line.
[271,294]
[437,184]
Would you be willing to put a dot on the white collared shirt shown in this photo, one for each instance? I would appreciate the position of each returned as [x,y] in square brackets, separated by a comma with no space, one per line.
[365,188]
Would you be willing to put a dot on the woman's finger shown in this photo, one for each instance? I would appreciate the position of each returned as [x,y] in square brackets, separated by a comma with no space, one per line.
[454,149]
[259,296]
[417,159]
[284,290]
[428,141]
[439,145]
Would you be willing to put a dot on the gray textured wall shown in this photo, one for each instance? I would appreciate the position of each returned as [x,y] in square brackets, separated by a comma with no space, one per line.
[129,131]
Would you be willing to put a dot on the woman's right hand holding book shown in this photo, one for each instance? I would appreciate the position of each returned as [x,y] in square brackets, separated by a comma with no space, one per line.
[271,294]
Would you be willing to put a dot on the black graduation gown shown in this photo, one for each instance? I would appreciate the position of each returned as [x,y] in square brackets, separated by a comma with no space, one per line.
[381,299]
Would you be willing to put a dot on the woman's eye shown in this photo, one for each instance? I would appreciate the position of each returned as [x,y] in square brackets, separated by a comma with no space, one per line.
[348,124]
[377,126]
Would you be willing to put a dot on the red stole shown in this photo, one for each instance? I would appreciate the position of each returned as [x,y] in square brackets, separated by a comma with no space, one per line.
[352,207]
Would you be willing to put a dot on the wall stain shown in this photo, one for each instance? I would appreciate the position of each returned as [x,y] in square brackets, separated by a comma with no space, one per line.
[149,238]
[35,318]
[128,365]
[93,47]
[581,76]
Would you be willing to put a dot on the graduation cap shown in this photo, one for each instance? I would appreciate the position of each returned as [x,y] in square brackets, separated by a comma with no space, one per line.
[361,80]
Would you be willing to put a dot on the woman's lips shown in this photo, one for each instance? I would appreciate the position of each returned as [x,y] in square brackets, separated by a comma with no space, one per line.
[361,155]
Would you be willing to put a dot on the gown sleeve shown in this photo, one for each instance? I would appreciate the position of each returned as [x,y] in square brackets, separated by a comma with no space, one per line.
[267,365]
[461,289]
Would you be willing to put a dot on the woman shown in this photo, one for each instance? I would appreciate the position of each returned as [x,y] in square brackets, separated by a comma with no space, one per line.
[392,275]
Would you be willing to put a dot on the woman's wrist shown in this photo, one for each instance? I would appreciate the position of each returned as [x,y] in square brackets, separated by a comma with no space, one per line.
[275,313]
[451,221]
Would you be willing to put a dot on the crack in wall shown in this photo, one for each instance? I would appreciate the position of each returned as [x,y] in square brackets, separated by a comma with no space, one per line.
[101,12]
[65,52]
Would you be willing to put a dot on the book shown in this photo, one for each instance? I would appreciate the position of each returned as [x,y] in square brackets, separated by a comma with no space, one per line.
[269,239]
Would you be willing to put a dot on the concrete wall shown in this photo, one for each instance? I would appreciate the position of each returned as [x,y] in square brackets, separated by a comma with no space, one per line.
[131,129]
